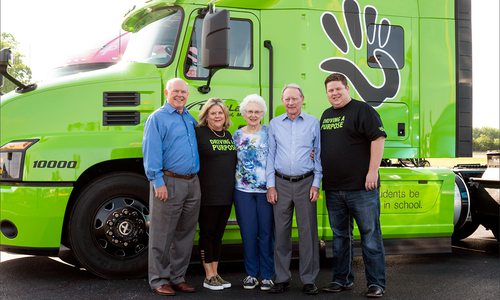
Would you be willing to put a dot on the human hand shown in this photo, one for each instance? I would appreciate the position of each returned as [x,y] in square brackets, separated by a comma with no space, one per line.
[161,193]
[272,195]
[371,181]
[313,194]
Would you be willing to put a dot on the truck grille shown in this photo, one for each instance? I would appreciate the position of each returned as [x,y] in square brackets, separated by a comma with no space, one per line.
[121,98]
[114,118]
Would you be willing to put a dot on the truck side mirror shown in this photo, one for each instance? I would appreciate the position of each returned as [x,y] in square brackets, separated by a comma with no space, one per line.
[214,39]
[5,57]
[214,43]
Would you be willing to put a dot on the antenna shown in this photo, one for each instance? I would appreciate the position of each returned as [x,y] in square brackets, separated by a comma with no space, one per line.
[211,6]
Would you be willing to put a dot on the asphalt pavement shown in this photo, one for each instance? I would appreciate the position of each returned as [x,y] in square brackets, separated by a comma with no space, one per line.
[470,271]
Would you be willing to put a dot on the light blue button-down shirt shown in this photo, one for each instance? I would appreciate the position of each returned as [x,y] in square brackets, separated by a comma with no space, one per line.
[290,146]
[169,143]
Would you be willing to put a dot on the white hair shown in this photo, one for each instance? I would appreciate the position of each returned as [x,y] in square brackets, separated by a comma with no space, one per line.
[169,83]
[292,86]
[253,98]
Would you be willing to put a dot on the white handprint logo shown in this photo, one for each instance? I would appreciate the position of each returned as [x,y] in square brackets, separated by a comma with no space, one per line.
[378,37]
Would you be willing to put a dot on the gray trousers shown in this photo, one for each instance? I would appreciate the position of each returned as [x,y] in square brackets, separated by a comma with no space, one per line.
[290,195]
[172,230]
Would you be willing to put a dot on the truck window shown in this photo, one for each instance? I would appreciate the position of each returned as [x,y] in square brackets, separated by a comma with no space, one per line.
[240,48]
[156,42]
[388,38]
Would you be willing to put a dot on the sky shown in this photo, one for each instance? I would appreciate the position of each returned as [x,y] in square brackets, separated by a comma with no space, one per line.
[50,31]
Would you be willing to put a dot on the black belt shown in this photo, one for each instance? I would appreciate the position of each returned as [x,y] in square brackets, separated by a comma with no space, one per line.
[293,178]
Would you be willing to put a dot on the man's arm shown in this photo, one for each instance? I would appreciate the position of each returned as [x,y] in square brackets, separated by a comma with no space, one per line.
[272,194]
[153,158]
[318,170]
[376,152]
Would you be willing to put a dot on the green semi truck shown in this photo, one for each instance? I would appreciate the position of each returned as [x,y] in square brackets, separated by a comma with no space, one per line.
[71,161]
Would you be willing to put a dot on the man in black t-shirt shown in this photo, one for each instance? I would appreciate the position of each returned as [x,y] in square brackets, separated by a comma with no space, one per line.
[352,144]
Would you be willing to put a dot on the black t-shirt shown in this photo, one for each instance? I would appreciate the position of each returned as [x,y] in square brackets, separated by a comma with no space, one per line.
[346,136]
[217,166]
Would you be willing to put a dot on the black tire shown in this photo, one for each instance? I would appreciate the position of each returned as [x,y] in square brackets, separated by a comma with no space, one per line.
[69,257]
[494,226]
[496,233]
[465,231]
[108,230]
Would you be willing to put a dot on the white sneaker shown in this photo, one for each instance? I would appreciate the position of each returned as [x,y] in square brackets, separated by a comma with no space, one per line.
[266,284]
[250,282]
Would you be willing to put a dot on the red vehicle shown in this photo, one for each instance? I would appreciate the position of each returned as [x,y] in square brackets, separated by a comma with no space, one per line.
[94,59]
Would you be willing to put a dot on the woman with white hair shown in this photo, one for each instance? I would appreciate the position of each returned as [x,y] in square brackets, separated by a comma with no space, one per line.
[253,212]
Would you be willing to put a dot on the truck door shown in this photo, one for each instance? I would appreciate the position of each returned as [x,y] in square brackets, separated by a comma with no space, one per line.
[231,84]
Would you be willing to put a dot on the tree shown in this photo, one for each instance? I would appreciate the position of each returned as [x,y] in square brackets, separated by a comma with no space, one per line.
[485,138]
[17,68]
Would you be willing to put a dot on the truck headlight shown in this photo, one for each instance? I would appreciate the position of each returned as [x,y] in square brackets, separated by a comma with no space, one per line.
[12,159]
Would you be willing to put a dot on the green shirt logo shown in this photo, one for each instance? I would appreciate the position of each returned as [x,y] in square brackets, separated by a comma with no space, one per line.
[333,123]
[222,145]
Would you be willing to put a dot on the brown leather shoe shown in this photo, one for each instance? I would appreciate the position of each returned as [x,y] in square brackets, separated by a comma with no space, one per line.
[184,287]
[164,290]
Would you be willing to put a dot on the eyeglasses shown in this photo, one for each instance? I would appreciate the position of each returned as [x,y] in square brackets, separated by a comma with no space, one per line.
[253,112]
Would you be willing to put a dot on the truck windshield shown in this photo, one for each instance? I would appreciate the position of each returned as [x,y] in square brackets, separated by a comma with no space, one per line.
[155,42]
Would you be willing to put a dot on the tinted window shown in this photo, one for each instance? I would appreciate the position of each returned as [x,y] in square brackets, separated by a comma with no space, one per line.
[155,42]
[240,48]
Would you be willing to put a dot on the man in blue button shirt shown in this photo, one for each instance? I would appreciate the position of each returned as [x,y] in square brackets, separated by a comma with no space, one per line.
[293,180]
[171,162]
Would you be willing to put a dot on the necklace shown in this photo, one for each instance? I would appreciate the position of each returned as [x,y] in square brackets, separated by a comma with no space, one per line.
[221,136]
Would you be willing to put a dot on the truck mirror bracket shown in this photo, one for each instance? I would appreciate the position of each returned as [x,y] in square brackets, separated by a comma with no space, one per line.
[205,89]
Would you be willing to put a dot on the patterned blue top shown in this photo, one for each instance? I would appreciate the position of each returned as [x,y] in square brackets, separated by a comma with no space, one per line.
[252,150]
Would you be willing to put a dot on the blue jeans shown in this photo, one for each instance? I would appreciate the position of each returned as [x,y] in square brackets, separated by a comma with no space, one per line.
[255,218]
[364,207]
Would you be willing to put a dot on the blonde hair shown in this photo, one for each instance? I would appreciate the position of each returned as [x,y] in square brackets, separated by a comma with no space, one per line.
[203,116]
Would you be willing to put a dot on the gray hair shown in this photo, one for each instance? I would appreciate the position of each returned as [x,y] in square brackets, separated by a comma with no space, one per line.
[253,98]
[168,84]
[292,86]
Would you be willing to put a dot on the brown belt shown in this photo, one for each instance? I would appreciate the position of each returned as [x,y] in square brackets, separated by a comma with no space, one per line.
[171,174]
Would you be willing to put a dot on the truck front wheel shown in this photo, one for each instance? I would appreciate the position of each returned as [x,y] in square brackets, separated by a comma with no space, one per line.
[108,230]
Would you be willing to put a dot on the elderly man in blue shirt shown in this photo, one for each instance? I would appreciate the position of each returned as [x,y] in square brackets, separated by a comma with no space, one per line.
[293,179]
[171,162]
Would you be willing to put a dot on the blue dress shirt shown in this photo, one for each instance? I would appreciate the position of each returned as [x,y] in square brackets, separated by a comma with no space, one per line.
[290,146]
[169,143]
